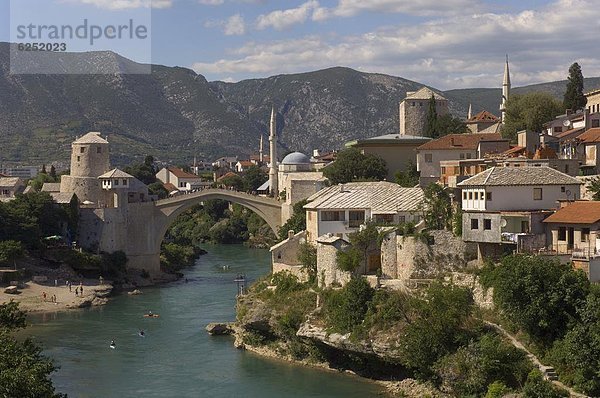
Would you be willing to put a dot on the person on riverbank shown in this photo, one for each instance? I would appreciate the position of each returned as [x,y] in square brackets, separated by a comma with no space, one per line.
[69,284]
[44,296]
[76,291]
[81,288]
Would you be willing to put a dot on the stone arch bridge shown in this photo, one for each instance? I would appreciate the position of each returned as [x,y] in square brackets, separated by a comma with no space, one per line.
[147,223]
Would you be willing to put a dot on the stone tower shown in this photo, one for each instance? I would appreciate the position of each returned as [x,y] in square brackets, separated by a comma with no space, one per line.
[260,151]
[90,159]
[273,183]
[505,91]
[414,109]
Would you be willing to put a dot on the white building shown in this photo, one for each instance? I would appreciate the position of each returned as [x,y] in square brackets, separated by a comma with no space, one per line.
[182,180]
[506,206]
[341,209]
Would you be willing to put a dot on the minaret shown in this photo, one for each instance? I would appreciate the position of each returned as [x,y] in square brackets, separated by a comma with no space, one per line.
[469,113]
[505,90]
[273,183]
[260,150]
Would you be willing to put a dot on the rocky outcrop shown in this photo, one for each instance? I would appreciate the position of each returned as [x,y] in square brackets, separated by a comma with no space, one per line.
[220,328]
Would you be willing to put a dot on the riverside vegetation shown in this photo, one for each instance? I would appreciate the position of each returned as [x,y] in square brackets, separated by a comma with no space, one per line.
[436,335]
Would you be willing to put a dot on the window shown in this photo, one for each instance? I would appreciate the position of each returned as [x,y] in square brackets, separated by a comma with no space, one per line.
[470,195]
[420,103]
[428,158]
[116,182]
[78,158]
[488,196]
[443,170]
[562,233]
[82,149]
[99,149]
[468,156]
[476,195]
[401,219]
[356,218]
[384,218]
[562,189]
[464,196]
[124,182]
[596,123]
[462,156]
[413,103]
[537,193]
[585,234]
[333,215]
[487,223]
[557,129]
[474,223]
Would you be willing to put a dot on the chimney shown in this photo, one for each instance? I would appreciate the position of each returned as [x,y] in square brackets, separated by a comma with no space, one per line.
[290,234]
[569,112]
[341,188]
[452,141]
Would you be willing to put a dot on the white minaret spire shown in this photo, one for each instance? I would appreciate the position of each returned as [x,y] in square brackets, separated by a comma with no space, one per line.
[505,90]
[273,183]
[260,150]
[469,113]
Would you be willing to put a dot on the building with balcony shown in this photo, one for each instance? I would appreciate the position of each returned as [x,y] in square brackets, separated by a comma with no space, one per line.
[340,210]
[575,230]
[504,207]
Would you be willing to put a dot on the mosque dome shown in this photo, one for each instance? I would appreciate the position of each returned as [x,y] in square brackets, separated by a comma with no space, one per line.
[296,158]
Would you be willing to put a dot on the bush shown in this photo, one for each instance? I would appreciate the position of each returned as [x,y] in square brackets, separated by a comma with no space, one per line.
[496,390]
[346,308]
[537,387]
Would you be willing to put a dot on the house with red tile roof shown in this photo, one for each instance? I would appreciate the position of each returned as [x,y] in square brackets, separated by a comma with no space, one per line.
[575,230]
[181,179]
[455,147]
[482,121]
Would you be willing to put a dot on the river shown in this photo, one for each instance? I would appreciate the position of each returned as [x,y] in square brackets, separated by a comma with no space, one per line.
[177,358]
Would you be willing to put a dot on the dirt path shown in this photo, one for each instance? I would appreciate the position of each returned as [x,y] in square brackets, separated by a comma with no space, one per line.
[533,358]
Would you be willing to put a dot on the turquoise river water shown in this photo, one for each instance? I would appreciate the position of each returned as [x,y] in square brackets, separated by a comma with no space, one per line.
[177,358]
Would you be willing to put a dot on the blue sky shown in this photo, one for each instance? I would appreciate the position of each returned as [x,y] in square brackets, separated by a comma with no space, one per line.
[444,43]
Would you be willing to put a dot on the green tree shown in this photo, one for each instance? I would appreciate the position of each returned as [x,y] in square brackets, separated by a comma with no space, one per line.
[432,117]
[472,368]
[346,308]
[593,186]
[24,371]
[297,221]
[307,255]
[145,172]
[361,242]
[448,124]
[437,207]
[10,251]
[157,188]
[537,387]
[234,181]
[253,178]
[539,295]
[53,172]
[529,112]
[439,325]
[408,178]
[352,165]
[574,98]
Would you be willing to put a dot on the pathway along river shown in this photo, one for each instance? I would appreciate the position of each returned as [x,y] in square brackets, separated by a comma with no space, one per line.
[177,358]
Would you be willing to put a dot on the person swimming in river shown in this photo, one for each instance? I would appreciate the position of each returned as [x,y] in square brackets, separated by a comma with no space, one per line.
[142,333]
[112,344]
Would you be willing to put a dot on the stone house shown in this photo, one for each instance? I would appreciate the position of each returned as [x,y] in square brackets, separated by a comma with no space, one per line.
[284,256]
[341,209]
[572,121]
[9,187]
[414,109]
[398,151]
[593,101]
[483,121]
[503,207]
[575,230]
[455,147]
[243,165]
[184,181]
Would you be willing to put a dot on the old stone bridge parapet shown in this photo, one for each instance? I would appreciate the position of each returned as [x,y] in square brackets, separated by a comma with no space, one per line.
[147,223]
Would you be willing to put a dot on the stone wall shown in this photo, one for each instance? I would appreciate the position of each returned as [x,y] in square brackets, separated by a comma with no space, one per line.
[86,188]
[413,115]
[483,297]
[297,270]
[328,272]
[92,162]
[407,258]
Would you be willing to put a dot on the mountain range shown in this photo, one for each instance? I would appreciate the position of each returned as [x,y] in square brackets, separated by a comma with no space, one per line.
[176,114]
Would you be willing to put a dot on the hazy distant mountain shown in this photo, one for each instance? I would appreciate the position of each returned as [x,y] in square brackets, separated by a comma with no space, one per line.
[175,113]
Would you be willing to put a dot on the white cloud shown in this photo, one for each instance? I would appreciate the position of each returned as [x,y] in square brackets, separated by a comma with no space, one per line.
[458,51]
[211,2]
[126,4]
[282,19]
[234,25]
[348,8]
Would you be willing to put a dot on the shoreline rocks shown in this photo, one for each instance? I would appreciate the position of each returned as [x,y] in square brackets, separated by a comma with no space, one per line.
[220,328]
